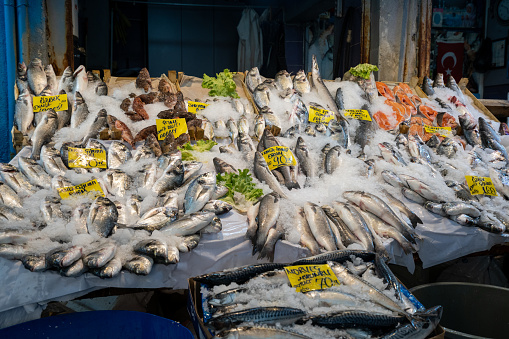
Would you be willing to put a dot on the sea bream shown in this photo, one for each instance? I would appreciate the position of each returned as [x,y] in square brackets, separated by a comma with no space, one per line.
[199,192]
[16,180]
[24,113]
[36,76]
[102,217]
[34,172]
[43,133]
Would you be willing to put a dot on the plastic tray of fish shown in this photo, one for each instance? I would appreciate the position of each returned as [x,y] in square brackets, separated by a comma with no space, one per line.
[257,300]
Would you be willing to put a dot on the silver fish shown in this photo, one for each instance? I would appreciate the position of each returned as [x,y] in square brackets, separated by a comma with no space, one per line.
[489,223]
[189,242]
[391,154]
[259,126]
[439,81]
[356,223]
[21,78]
[451,83]
[10,214]
[261,95]
[490,138]
[243,125]
[118,182]
[448,147]
[156,218]
[188,224]
[199,192]
[470,130]
[412,196]
[217,206]
[414,219]
[100,257]
[139,264]
[301,83]
[64,117]
[102,217]
[268,213]
[64,257]
[133,208]
[66,80]
[59,181]
[8,196]
[167,159]
[238,106]
[306,164]
[333,160]
[233,131]
[456,208]
[420,188]
[110,270]
[339,131]
[320,226]
[44,132]
[271,120]
[51,79]
[76,269]
[79,111]
[118,154]
[245,145]
[24,113]
[80,79]
[51,209]
[143,152]
[253,79]
[385,230]
[322,91]
[208,129]
[154,248]
[167,199]
[79,217]
[344,236]
[306,236]
[35,263]
[147,176]
[215,226]
[434,207]
[191,170]
[36,76]
[283,80]
[16,180]
[34,172]
[223,167]
[97,126]
[262,173]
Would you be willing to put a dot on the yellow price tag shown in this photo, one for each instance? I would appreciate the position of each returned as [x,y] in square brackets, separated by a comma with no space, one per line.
[87,158]
[443,131]
[278,156]
[357,114]
[318,115]
[57,102]
[480,185]
[194,107]
[311,277]
[175,126]
[91,187]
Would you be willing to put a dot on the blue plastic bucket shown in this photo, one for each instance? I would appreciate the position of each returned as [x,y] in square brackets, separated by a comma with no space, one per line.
[99,324]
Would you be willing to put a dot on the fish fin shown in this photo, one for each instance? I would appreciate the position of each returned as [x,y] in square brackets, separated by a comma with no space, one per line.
[414,219]
[292,184]
[267,252]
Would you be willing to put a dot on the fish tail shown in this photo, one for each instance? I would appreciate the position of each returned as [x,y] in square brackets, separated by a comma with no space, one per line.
[414,219]
[292,184]
[267,252]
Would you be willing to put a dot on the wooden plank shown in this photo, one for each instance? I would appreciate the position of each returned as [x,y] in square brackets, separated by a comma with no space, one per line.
[107,75]
[480,106]
[172,75]
[499,108]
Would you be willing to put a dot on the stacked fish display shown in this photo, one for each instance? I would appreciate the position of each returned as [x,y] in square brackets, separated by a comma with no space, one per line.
[368,302]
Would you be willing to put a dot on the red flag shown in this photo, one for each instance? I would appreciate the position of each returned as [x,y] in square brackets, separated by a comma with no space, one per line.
[450,59]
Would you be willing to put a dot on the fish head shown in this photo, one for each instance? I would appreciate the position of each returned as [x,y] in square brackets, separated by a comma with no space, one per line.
[208,178]
[22,68]
[78,98]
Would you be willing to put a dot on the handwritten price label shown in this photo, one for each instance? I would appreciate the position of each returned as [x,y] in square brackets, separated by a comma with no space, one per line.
[56,102]
[318,115]
[443,131]
[91,187]
[311,277]
[357,114]
[166,126]
[194,107]
[480,185]
[87,158]
[278,156]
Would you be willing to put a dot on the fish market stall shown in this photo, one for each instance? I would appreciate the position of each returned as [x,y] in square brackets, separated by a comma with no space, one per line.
[145,185]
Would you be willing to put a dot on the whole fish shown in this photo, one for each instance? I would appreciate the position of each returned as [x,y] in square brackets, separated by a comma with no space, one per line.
[59,181]
[79,110]
[189,242]
[223,167]
[412,196]
[172,178]
[271,120]
[188,224]
[414,219]
[259,126]
[208,129]
[489,223]
[100,257]
[51,79]
[427,86]
[385,230]
[147,176]
[100,86]
[64,257]
[469,130]
[500,179]
[333,160]
[306,164]
[339,131]
[456,208]
[265,315]
[344,233]
[322,91]
[356,223]
[420,188]
[215,226]
[253,79]
[268,213]
[8,196]
[320,226]
[44,132]
[371,203]
[16,180]
[100,122]
[490,138]
[243,124]
[154,248]
[418,328]
[391,154]
[301,83]
[102,217]
[323,154]
[133,208]
[24,113]
[66,82]
[217,206]
[261,95]
[143,152]
[439,81]
[451,83]
[156,218]
[10,214]
[36,76]
[51,209]
[21,78]
[345,319]
[110,270]
[191,170]
[448,147]
[34,172]
[283,80]
[64,117]
[35,263]
[79,217]
[118,182]
[434,207]
[245,145]
[262,173]
[80,79]
[306,236]
[365,132]
[139,264]
[118,154]
[167,159]
[199,192]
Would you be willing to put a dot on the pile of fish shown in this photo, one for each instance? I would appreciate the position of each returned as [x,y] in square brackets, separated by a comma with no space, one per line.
[368,302]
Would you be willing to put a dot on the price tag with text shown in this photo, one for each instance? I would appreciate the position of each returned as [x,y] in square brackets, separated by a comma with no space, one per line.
[480,185]
[194,107]
[278,156]
[311,277]
[166,126]
[319,115]
[357,114]
[91,187]
[56,102]
[443,131]
[87,158]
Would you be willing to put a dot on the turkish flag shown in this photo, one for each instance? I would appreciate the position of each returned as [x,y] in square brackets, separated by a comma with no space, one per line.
[450,59]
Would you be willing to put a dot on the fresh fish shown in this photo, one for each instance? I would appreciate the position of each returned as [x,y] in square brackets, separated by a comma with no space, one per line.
[24,113]
[301,83]
[271,120]
[76,269]
[365,132]
[100,122]
[262,173]
[44,132]
[283,80]
[439,81]
[343,233]
[147,176]
[435,208]
[64,117]
[451,83]
[306,236]
[427,86]
[36,76]
[385,230]
[489,223]
[143,152]
[100,257]
[333,160]
[273,236]
[347,319]
[133,207]
[339,131]
[252,223]
[111,269]
[371,203]
[223,167]
[16,180]
[66,82]
[500,179]
[172,178]
[469,130]
[10,214]
[322,91]
[102,217]
[34,263]
[64,257]
[320,226]
[448,147]
[80,79]
[79,110]
[391,154]
[238,275]
[456,208]
[100,86]
[260,332]
[215,226]
[21,78]
[261,95]
[51,79]
[306,164]
[34,172]
[259,126]
[356,223]
[118,182]
[225,298]
[217,206]
[433,142]
[225,149]
[243,125]
[152,143]
[79,217]
[51,209]
[156,218]
[59,181]
[189,242]
[412,196]
[253,79]
[401,141]
[139,264]
[118,154]
[264,315]
[420,188]
[188,224]
[245,145]
[167,159]
[199,192]
[154,248]
[191,170]
[268,213]
[490,138]
[414,219]
[8,196]
[418,329]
